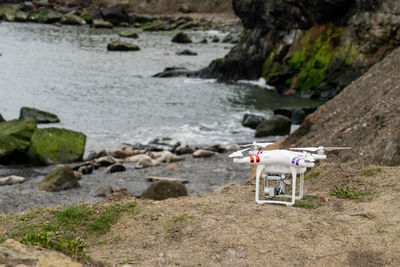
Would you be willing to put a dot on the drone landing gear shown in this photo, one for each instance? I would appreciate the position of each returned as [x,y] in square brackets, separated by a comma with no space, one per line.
[278,191]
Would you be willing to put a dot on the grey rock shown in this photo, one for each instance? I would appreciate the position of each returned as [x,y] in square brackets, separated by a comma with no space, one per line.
[186,52]
[252,121]
[39,116]
[104,191]
[181,38]
[276,125]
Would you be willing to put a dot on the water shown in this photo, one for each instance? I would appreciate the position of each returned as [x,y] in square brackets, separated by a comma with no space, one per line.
[111,96]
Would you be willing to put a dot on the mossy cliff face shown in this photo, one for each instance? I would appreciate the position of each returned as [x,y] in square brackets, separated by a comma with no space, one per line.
[312,48]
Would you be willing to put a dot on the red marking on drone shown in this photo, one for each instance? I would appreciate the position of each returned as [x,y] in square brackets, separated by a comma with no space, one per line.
[257,158]
[259,152]
[251,159]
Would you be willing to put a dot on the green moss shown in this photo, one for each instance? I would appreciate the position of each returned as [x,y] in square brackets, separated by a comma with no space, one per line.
[318,46]
[87,18]
[347,193]
[54,145]
[271,67]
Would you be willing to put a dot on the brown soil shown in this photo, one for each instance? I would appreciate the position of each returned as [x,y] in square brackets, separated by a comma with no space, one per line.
[227,228]
[365,116]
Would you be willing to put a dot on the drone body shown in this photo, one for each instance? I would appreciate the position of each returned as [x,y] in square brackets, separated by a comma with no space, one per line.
[276,164]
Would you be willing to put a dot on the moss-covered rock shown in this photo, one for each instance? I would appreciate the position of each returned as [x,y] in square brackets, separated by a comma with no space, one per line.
[49,16]
[122,46]
[8,11]
[15,137]
[276,125]
[38,115]
[71,19]
[165,189]
[181,38]
[54,145]
[61,178]
[129,34]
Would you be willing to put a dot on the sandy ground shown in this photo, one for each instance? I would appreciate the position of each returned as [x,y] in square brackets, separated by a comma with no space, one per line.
[227,228]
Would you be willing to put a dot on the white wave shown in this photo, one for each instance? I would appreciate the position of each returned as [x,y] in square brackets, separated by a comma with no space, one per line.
[260,82]
[199,81]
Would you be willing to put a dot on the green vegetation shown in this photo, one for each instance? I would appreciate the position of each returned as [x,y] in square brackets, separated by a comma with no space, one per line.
[370,171]
[308,202]
[318,46]
[347,193]
[69,229]
[271,67]
[311,175]
[87,18]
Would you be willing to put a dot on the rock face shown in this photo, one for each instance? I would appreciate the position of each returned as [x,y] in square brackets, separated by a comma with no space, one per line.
[61,178]
[276,125]
[312,48]
[365,116]
[38,115]
[122,46]
[181,38]
[15,136]
[55,145]
[13,253]
[165,189]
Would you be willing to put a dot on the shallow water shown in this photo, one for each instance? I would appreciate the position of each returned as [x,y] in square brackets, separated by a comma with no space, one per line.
[111,96]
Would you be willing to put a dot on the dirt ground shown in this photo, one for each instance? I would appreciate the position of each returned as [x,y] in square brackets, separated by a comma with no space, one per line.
[227,228]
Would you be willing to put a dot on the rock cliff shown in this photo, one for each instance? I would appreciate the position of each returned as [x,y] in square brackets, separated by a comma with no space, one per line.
[309,47]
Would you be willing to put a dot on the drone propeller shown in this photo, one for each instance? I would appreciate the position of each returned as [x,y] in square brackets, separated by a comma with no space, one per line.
[320,149]
[254,144]
[238,153]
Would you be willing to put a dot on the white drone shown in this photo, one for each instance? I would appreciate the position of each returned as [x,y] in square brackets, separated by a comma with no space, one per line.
[276,164]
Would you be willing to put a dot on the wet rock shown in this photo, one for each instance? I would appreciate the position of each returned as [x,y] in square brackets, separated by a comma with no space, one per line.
[184,150]
[186,52]
[138,158]
[227,39]
[99,23]
[104,191]
[14,253]
[145,163]
[10,180]
[116,14]
[38,115]
[116,168]
[15,137]
[61,178]
[106,161]
[181,38]
[276,125]
[102,153]
[204,41]
[129,34]
[56,145]
[165,189]
[201,153]
[49,16]
[157,25]
[122,46]
[252,120]
[176,72]
[215,39]
[71,19]
[88,169]
[90,156]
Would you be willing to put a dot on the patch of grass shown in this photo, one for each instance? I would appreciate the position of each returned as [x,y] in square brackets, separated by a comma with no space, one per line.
[370,171]
[309,197]
[232,201]
[182,218]
[311,175]
[347,193]
[68,229]
[176,221]
[304,205]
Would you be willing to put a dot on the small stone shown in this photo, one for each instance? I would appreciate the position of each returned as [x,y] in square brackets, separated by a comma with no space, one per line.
[10,180]
[181,38]
[201,153]
[104,191]
[122,46]
[116,168]
[186,52]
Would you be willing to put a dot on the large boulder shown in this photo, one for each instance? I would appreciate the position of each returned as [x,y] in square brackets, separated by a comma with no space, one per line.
[116,14]
[15,137]
[276,125]
[38,115]
[49,16]
[252,121]
[165,189]
[54,145]
[61,178]
[122,46]
[181,38]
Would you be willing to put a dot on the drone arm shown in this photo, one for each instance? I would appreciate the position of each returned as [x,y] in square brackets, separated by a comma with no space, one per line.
[259,170]
[317,156]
